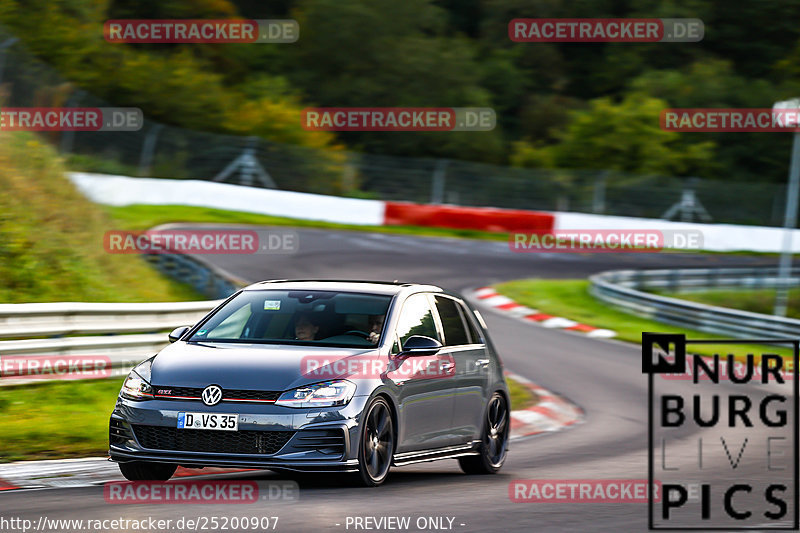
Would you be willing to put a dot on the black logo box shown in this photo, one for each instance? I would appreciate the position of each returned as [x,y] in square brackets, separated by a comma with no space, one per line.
[678,366]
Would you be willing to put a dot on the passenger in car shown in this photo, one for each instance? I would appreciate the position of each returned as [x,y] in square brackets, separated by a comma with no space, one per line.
[306,327]
[375,328]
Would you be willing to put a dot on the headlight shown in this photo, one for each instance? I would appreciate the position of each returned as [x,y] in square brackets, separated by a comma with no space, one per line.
[324,394]
[136,386]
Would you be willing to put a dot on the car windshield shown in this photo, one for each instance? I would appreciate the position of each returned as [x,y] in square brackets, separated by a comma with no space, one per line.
[305,317]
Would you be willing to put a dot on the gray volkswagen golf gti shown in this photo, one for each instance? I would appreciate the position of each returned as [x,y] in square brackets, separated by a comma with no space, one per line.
[318,376]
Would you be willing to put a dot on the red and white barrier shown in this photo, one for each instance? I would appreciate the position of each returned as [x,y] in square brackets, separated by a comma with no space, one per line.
[121,190]
[477,218]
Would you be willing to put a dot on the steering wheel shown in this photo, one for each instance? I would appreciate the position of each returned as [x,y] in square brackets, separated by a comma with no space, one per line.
[357,332]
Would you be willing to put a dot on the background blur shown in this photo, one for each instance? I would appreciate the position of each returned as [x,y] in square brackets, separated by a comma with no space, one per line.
[577,124]
[577,131]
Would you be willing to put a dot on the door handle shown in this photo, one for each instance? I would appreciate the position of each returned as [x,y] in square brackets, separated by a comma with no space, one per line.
[446,365]
[482,363]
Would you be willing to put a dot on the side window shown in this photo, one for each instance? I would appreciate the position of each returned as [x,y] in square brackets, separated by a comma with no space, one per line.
[474,335]
[454,331]
[416,319]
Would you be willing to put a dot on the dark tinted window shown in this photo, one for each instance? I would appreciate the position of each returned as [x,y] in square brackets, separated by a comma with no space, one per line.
[476,337]
[327,318]
[454,332]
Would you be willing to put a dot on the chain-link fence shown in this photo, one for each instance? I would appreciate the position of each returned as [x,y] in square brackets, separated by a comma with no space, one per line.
[160,150]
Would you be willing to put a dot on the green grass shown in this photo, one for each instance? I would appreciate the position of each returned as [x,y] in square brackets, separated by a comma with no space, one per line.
[521,396]
[51,237]
[756,301]
[63,419]
[571,299]
[56,419]
[142,217]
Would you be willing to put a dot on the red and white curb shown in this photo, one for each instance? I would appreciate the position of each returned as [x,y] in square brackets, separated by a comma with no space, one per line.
[489,297]
[551,412]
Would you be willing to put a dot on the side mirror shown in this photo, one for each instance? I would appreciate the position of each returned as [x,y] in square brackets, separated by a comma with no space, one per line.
[420,345]
[177,333]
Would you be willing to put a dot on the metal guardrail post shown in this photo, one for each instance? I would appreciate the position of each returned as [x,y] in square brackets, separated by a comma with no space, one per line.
[68,136]
[599,193]
[790,222]
[148,150]
[439,177]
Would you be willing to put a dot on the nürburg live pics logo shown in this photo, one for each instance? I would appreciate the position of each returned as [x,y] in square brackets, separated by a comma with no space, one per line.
[722,433]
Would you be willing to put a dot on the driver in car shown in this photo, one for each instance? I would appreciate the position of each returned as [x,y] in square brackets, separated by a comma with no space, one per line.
[306,327]
[375,327]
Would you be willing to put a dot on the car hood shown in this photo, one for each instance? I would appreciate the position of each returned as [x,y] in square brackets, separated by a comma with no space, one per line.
[247,366]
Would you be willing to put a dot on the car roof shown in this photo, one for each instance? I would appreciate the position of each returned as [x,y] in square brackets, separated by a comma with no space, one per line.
[374,287]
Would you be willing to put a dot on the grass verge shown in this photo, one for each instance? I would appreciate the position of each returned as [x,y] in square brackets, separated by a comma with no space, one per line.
[521,396]
[142,217]
[755,301]
[57,420]
[571,299]
[51,237]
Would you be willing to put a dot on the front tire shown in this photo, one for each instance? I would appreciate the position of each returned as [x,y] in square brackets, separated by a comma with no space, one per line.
[376,447]
[143,471]
[494,440]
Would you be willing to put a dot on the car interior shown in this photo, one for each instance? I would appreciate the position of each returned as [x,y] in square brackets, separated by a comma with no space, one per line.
[341,318]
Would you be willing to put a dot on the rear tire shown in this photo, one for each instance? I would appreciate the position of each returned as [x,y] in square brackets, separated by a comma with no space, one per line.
[494,440]
[143,471]
[376,447]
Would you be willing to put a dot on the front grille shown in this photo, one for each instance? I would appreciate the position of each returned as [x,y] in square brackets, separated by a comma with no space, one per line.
[230,395]
[212,441]
[327,441]
[250,395]
[117,432]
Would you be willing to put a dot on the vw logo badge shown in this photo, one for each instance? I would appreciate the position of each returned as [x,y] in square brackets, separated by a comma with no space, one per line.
[212,395]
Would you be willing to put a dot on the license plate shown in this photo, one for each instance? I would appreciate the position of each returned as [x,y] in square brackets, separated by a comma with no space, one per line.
[218,421]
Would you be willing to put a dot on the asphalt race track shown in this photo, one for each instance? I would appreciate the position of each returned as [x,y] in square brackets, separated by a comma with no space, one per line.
[603,377]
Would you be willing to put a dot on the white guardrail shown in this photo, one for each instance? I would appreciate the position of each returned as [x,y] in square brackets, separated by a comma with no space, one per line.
[78,318]
[123,333]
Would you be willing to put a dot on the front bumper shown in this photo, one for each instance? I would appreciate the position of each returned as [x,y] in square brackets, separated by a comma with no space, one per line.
[269,436]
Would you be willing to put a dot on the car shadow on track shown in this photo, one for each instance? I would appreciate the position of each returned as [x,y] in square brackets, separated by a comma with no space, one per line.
[397,478]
